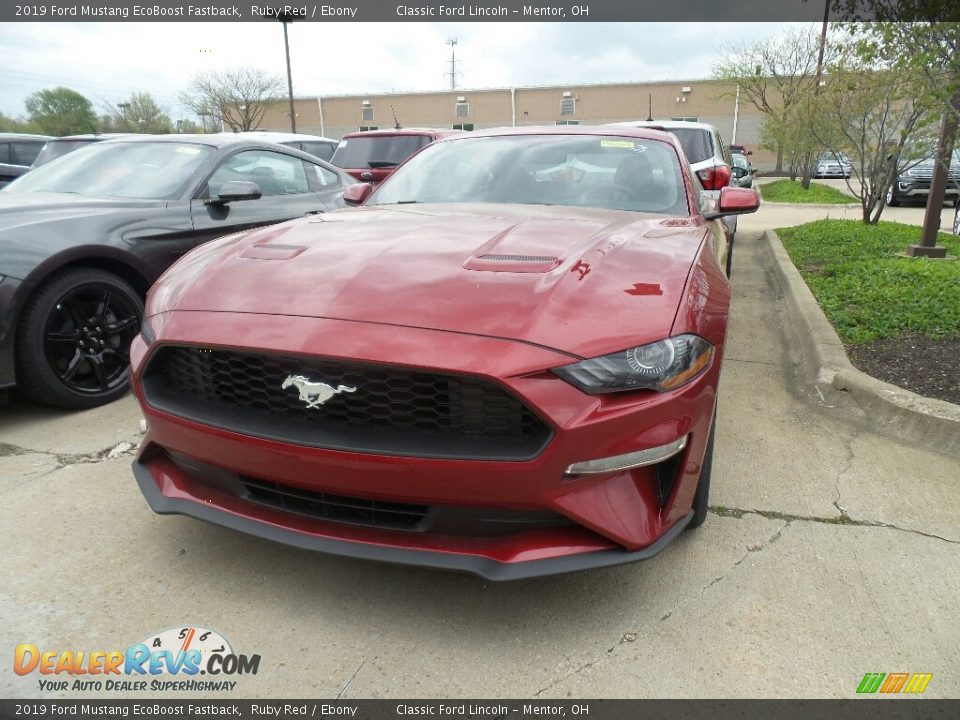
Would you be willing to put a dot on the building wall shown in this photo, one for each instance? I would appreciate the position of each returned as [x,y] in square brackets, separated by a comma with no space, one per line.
[709,101]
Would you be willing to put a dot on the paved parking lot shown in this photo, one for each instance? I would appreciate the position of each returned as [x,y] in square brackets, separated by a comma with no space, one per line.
[830,552]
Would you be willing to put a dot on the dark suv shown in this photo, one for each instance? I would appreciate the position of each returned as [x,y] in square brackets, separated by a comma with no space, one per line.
[913,181]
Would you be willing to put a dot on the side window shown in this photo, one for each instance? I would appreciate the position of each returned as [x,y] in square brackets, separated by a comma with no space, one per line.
[325,179]
[24,153]
[4,152]
[274,173]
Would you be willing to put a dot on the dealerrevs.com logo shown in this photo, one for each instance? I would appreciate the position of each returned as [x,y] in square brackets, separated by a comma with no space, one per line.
[170,660]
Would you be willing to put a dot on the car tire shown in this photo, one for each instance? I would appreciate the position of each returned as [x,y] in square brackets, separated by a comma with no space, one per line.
[701,499]
[73,342]
[892,199]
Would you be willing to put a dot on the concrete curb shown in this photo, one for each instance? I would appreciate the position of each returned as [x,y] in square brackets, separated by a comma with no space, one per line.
[934,423]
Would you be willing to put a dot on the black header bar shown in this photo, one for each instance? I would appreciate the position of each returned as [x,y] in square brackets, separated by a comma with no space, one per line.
[414,11]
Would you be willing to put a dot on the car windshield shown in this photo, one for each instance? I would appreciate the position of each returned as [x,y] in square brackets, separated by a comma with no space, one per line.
[617,173]
[377,150]
[144,170]
[740,161]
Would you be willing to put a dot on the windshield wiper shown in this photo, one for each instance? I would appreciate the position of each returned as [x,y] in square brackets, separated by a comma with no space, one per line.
[407,202]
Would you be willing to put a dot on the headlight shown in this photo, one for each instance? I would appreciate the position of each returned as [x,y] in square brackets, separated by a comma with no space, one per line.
[660,366]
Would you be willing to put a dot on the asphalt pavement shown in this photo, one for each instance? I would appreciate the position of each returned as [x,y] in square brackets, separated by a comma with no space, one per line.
[830,552]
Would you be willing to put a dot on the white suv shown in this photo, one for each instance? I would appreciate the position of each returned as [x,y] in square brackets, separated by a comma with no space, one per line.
[709,158]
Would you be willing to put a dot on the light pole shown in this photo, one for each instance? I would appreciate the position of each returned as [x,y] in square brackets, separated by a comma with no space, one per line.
[286,18]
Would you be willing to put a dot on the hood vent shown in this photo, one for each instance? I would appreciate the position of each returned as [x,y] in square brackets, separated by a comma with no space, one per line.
[519,258]
[496,262]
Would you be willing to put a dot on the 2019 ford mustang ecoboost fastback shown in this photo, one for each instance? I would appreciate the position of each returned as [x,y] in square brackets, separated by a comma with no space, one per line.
[504,361]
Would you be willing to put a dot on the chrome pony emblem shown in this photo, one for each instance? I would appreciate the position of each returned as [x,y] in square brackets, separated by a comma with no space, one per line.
[314,394]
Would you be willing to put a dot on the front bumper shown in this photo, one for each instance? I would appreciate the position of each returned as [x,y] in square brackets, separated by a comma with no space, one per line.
[168,498]
[920,188]
[605,519]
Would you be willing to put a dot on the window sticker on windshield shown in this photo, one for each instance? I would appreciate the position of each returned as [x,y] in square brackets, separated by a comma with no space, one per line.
[628,144]
[186,150]
[640,148]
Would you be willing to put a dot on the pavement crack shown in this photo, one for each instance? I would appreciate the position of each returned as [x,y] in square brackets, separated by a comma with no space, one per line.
[631,636]
[751,362]
[347,684]
[841,519]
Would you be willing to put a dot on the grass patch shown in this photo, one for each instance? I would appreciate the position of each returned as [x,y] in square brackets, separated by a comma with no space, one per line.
[791,191]
[866,291]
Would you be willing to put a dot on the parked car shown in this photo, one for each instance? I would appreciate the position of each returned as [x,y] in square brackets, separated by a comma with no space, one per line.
[736,149]
[709,158]
[371,155]
[58,147]
[504,362]
[914,178]
[82,238]
[17,152]
[315,145]
[741,170]
[833,165]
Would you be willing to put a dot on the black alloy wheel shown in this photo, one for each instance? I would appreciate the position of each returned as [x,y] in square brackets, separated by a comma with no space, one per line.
[74,340]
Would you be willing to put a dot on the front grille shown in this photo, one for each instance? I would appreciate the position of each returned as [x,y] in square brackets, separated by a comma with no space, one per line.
[371,408]
[457,521]
[337,508]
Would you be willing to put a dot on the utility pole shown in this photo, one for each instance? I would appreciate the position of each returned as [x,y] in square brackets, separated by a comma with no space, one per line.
[452,42]
[286,18]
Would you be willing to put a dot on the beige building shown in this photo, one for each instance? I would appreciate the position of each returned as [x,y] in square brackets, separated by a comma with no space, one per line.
[708,101]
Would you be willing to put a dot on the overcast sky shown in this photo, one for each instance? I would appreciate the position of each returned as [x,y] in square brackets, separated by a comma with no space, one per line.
[108,61]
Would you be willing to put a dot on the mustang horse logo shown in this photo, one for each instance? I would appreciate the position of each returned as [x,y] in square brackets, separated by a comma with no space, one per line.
[314,394]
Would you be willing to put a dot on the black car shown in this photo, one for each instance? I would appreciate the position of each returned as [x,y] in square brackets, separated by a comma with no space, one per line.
[83,237]
[17,153]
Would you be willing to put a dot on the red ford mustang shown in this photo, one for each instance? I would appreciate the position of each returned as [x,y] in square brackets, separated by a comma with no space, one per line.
[504,362]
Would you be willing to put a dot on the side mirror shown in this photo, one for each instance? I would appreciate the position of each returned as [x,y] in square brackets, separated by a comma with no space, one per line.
[236,190]
[735,201]
[357,194]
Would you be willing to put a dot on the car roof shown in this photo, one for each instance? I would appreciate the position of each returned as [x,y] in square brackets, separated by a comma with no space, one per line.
[586,130]
[430,132]
[94,136]
[678,124]
[277,136]
[217,140]
[24,136]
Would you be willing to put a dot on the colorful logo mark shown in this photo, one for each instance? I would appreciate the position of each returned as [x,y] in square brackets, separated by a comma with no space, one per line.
[891,683]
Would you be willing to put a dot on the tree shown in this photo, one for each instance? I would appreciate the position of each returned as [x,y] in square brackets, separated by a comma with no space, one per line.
[923,37]
[61,111]
[141,113]
[237,99]
[871,116]
[778,77]
[19,125]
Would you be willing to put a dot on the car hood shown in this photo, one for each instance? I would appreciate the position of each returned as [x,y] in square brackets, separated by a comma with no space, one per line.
[19,209]
[582,281]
